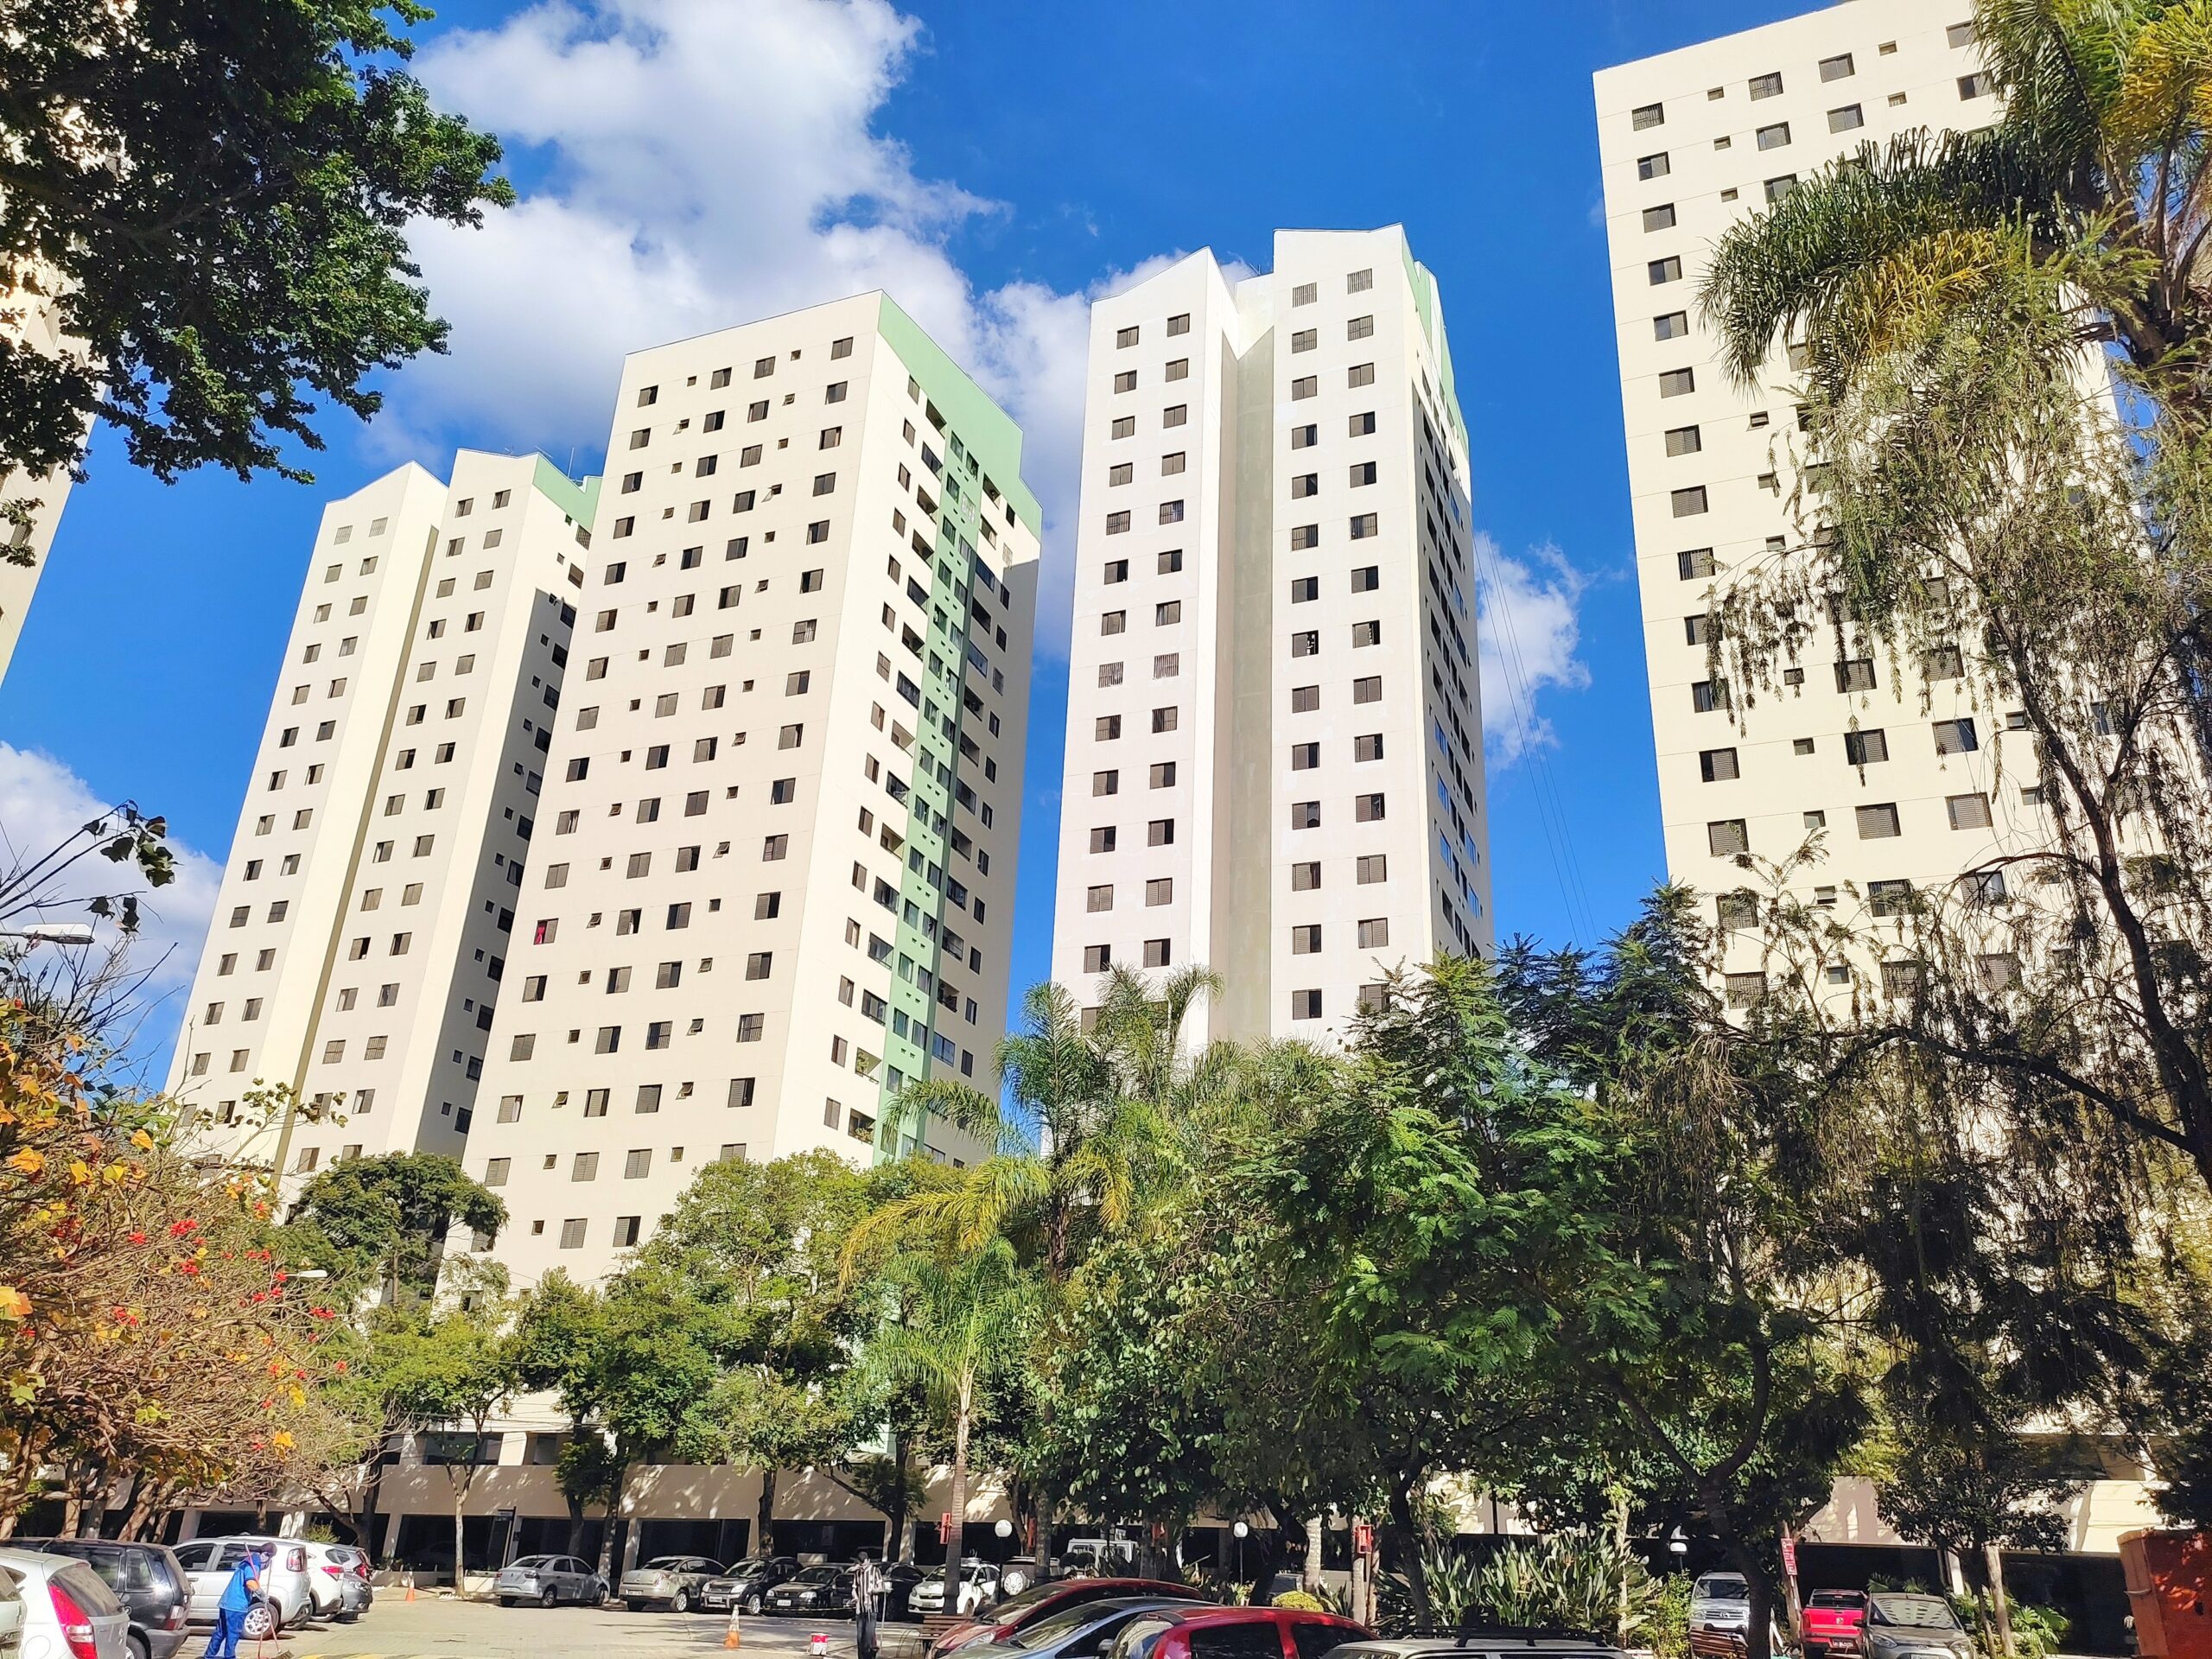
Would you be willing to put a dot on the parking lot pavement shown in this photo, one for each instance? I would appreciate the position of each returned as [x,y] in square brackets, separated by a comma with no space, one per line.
[434,1627]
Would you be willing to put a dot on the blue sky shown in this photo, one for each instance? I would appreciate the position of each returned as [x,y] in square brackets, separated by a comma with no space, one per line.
[693,163]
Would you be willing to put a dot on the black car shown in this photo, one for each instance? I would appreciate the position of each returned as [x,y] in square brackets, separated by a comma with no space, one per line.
[746,1582]
[823,1591]
[146,1578]
[900,1578]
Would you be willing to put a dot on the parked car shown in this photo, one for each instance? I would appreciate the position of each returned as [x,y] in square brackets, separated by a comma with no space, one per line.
[339,1580]
[549,1580]
[1835,1623]
[285,1599]
[146,1578]
[671,1581]
[1040,1601]
[824,1590]
[1480,1642]
[11,1616]
[744,1583]
[69,1611]
[979,1589]
[1720,1601]
[1902,1626]
[1083,1629]
[899,1600]
[1201,1632]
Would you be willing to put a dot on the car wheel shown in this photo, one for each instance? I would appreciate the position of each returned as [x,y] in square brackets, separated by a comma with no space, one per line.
[506,1601]
[549,1597]
[752,1606]
[139,1649]
[260,1624]
[682,1603]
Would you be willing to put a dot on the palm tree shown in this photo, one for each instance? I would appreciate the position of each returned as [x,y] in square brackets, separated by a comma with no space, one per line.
[963,1314]
[2092,187]
[1110,1105]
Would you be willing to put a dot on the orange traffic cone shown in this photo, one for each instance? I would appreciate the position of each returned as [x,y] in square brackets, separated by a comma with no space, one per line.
[731,1636]
[410,1587]
[817,1646]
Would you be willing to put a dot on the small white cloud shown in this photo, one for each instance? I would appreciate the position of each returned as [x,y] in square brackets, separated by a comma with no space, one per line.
[45,805]
[1529,626]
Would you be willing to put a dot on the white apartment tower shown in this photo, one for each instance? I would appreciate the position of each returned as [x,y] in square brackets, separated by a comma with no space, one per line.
[28,322]
[773,877]
[1895,766]
[360,940]
[1275,759]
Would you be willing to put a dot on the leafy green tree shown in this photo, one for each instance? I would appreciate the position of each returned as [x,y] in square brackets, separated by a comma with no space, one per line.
[721,1338]
[455,1369]
[1974,1489]
[1974,504]
[216,197]
[1100,1103]
[381,1223]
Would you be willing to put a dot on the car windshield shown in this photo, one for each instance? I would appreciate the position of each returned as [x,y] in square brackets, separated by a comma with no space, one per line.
[1834,1598]
[531,1563]
[1014,1606]
[1724,1589]
[667,1564]
[747,1568]
[819,1576]
[1928,1612]
[1051,1628]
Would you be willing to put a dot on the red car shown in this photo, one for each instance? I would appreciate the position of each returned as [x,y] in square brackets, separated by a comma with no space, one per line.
[1235,1633]
[1835,1623]
[1042,1601]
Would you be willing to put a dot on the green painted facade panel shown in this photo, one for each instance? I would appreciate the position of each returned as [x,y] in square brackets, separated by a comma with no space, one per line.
[977,439]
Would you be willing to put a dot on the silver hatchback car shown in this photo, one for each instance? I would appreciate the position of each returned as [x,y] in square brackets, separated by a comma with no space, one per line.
[549,1580]
[68,1610]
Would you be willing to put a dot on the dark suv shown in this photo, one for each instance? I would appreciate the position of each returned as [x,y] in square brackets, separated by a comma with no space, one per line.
[146,1578]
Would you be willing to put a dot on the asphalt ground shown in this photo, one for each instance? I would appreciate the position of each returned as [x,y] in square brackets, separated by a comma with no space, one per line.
[441,1627]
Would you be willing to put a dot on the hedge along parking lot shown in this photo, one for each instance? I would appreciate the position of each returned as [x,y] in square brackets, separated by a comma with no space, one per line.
[445,1627]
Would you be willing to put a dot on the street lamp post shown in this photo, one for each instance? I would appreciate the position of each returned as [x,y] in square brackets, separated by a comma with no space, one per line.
[1240,1531]
[72,933]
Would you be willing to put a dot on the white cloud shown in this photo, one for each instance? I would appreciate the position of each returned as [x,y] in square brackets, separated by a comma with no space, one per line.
[43,805]
[1529,627]
[706,163]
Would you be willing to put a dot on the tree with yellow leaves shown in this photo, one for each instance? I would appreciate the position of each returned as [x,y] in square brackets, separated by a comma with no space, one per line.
[146,1325]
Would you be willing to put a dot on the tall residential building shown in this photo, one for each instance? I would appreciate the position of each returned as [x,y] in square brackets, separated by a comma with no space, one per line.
[367,910]
[28,322]
[1891,759]
[774,881]
[1274,761]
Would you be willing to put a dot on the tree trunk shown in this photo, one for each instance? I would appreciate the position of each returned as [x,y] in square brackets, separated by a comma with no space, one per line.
[2000,1605]
[958,1529]
[575,1523]
[902,1453]
[764,1521]
[1758,1624]
[1620,1545]
[459,1500]
[1309,1579]
[73,1511]
[1406,1546]
[364,1511]
[1047,1504]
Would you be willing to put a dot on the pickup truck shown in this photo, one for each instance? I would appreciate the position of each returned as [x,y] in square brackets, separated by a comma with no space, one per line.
[1835,1624]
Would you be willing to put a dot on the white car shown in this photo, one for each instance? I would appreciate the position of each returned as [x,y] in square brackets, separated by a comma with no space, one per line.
[68,1612]
[286,1597]
[11,1616]
[979,1588]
